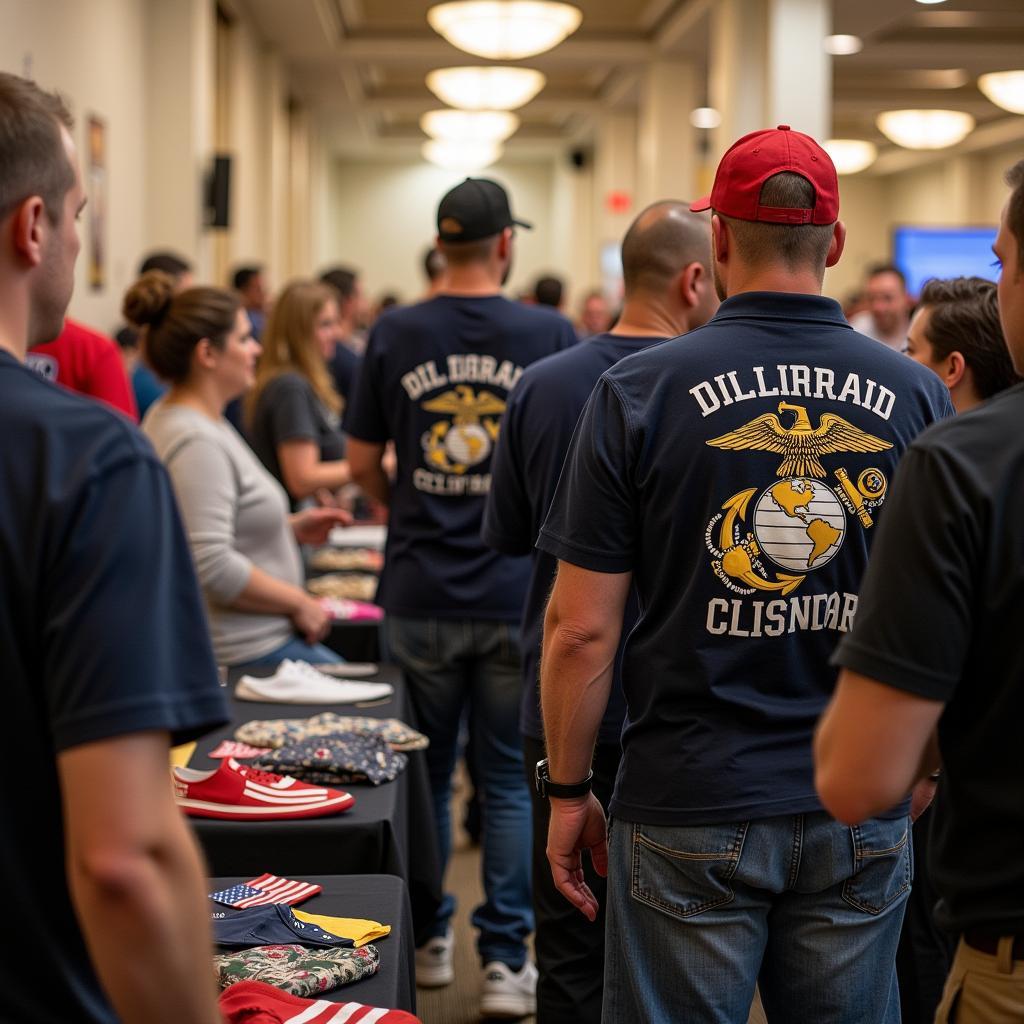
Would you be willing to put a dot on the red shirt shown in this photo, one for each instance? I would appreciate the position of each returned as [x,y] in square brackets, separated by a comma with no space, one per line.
[88,362]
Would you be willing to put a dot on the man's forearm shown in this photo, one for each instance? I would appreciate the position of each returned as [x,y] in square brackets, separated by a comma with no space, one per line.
[146,920]
[576,679]
[376,484]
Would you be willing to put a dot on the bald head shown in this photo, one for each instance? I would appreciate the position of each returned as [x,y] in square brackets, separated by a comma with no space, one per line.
[663,240]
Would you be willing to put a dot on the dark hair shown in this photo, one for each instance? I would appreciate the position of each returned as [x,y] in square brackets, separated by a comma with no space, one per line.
[32,157]
[342,280]
[462,254]
[795,245]
[167,262]
[548,291]
[434,264]
[965,318]
[877,269]
[173,324]
[1015,208]
[243,275]
[663,239]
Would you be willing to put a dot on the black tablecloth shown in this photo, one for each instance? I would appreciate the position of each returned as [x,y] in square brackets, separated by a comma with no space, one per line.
[376,897]
[389,831]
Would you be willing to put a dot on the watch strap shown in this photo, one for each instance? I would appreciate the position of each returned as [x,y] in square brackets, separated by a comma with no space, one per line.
[561,791]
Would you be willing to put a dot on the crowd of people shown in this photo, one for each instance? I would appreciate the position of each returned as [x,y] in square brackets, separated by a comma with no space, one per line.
[722,583]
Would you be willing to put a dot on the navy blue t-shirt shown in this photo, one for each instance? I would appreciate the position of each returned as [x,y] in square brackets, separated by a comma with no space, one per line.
[344,367]
[739,473]
[435,378]
[535,434]
[103,634]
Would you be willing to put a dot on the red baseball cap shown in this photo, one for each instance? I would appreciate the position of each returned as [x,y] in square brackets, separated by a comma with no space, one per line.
[750,161]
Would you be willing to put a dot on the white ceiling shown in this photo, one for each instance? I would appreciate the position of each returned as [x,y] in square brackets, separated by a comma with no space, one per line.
[361,64]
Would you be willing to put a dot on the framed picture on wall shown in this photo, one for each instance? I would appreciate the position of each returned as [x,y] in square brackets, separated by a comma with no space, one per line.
[97,208]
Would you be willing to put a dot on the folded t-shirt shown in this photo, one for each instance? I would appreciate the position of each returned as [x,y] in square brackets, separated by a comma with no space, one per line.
[296,969]
[357,929]
[276,732]
[271,925]
[332,760]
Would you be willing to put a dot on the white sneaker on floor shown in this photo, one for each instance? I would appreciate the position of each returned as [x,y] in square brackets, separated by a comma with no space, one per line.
[508,993]
[434,964]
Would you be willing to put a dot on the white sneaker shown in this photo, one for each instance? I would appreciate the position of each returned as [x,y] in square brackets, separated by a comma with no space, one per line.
[297,682]
[434,963]
[508,993]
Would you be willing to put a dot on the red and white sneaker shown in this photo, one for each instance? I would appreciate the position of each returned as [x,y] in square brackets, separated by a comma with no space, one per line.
[241,792]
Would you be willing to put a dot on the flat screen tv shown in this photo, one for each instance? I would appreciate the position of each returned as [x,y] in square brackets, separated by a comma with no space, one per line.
[922,253]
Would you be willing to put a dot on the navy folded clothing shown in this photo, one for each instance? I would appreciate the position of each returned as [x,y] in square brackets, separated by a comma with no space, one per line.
[332,760]
[270,926]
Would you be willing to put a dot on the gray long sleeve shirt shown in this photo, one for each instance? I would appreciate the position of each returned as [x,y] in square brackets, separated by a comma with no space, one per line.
[236,515]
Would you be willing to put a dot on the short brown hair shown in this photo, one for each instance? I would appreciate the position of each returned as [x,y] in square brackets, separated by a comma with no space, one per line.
[175,323]
[965,319]
[1015,209]
[795,245]
[463,254]
[32,157]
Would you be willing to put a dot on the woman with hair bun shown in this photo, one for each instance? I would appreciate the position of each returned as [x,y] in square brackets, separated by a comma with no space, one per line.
[244,542]
[293,413]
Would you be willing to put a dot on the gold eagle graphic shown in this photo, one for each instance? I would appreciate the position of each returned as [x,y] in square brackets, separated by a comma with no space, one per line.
[465,406]
[800,444]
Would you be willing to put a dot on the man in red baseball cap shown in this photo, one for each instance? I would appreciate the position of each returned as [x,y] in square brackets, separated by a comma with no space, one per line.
[734,477]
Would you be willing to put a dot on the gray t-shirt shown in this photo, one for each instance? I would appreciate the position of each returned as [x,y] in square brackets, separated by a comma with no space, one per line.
[289,410]
[236,516]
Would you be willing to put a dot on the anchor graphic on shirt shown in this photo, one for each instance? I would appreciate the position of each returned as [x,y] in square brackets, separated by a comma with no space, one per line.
[737,559]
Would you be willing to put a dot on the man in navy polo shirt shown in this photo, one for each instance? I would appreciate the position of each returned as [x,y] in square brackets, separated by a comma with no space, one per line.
[107,658]
[666,268]
[435,379]
[734,477]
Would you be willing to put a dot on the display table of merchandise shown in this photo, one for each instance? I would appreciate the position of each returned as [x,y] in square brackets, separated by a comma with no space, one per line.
[381,898]
[389,831]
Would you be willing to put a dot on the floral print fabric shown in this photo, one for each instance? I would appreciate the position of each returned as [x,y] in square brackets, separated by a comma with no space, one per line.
[295,969]
[282,731]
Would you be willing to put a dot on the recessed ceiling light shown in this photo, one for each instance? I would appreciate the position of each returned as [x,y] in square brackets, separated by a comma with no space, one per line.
[1005,89]
[504,29]
[464,157]
[925,129]
[850,156]
[705,117]
[469,125]
[843,46]
[487,88]
[931,1]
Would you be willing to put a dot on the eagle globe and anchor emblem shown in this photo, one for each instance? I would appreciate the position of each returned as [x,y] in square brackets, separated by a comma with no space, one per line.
[798,522]
[467,440]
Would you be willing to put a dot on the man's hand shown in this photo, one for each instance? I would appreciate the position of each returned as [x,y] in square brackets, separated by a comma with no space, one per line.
[921,797]
[314,525]
[577,825]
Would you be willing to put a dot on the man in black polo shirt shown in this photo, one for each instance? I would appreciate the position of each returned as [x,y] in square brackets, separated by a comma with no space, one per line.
[666,267]
[734,477]
[106,653]
[933,670]
[435,379]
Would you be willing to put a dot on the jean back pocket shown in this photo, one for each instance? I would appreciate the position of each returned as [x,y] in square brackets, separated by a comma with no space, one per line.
[883,864]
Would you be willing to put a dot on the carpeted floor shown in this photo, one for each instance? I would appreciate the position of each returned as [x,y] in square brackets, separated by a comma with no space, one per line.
[459,1003]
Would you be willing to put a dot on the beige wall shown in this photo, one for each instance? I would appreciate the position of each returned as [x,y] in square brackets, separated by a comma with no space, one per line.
[381,218]
[93,53]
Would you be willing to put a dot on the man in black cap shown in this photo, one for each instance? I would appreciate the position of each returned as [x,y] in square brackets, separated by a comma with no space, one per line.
[435,380]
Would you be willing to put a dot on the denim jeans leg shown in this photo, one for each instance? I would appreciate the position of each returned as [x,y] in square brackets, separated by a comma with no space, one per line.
[505,918]
[683,940]
[832,951]
[430,653]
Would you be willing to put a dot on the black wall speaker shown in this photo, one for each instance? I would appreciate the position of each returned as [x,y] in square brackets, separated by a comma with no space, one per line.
[218,193]
[578,158]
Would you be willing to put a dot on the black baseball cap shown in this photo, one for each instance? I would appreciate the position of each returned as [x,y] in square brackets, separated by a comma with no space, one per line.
[476,208]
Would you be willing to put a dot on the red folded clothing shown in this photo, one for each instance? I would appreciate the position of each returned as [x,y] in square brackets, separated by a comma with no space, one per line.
[252,1002]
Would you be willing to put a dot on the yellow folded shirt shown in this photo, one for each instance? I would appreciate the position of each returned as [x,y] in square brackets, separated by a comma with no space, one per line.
[180,756]
[359,931]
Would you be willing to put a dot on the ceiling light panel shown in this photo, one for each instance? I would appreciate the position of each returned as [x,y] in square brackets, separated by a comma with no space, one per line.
[485,88]
[504,29]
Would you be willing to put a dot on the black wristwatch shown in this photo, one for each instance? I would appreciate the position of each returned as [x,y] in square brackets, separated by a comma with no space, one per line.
[547,788]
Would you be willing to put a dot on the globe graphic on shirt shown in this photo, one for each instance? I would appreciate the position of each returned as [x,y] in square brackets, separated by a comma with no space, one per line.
[467,443]
[799,523]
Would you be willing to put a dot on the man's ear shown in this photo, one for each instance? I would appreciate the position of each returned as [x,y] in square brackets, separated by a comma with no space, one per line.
[691,281]
[836,246]
[719,239]
[29,225]
[956,369]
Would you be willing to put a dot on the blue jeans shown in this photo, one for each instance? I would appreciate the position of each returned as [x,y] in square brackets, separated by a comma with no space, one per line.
[449,664]
[808,908]
[298,650]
